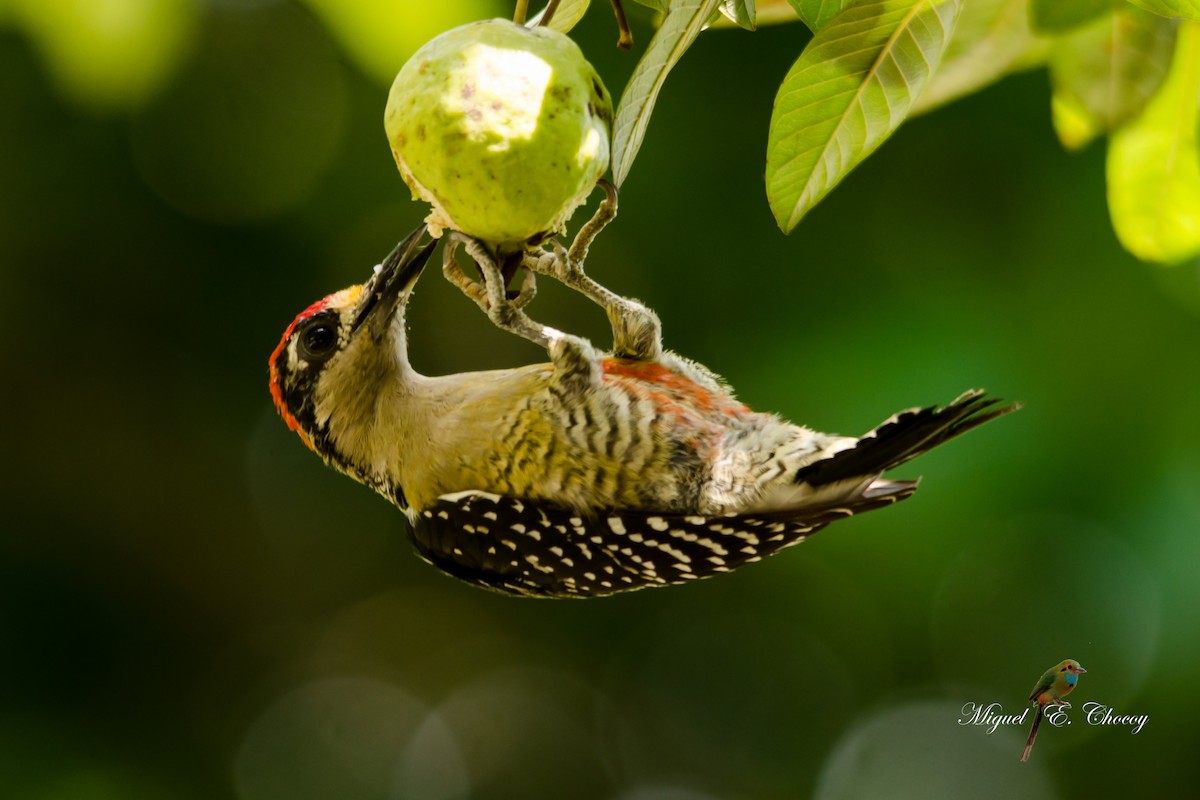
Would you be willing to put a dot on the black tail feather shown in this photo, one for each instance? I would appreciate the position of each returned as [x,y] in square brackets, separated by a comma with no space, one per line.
[905,436]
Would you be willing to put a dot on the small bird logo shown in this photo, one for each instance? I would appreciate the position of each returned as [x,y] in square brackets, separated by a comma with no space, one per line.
[1054,685]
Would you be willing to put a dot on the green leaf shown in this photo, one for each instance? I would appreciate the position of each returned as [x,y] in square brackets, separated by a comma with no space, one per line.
[817,13]
[1154,165]
[767,12]
[682,24]
[1074,124]
[852,86]
[1105,74]
[1060,16]
[740,13]
[1180,9]
[660,6]
[566,16]
[991,39]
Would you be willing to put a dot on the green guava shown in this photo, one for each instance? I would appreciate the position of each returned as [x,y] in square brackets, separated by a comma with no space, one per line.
[503,129]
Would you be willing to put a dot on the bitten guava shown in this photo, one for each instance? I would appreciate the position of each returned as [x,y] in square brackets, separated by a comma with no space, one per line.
[503,129]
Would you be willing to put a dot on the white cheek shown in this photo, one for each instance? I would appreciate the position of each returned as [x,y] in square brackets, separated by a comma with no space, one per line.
[295,362]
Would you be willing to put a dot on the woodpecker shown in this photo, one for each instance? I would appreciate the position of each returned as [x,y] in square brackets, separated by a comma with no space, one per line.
[592,474]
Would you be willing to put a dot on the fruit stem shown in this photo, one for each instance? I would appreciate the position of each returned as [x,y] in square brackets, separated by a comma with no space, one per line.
[521,11]
[625,40]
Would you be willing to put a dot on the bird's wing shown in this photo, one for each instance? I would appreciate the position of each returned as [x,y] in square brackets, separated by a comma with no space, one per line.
[521,547]
[1044,683]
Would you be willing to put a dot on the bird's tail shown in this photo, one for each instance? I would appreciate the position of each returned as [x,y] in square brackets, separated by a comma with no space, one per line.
[1037,720]
[904,436]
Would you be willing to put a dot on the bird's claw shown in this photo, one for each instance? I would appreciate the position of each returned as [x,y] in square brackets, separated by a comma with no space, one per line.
[637,333]
[557,264]
[503,308]
[522,297]
[453,272]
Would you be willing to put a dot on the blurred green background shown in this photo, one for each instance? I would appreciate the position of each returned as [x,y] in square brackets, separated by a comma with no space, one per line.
[192,606]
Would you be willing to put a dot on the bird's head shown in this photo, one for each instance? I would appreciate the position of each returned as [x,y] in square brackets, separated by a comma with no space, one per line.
[340,352]
[1070,670]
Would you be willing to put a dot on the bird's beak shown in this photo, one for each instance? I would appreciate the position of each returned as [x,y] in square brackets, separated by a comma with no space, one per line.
[391,283]
[1080,669]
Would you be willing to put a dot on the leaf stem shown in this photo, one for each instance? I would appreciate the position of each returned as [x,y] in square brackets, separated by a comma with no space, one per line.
[521,12]
[548,13]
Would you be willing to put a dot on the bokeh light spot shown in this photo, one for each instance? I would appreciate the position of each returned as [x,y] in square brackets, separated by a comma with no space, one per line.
[919,751]
[252,122]
[381,34]
[344,737]
[1050,587]
[665,792]
[521,734]
[109,54]
[691,685]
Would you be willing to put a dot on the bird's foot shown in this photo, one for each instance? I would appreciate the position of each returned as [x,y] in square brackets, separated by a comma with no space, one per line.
[473,289]
[637,332]
[492,296]
[605,214]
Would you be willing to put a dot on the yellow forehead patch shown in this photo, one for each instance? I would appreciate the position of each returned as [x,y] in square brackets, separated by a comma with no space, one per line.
[346,297]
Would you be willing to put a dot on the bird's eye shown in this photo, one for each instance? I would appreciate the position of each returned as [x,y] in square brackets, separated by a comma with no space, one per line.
[318,340]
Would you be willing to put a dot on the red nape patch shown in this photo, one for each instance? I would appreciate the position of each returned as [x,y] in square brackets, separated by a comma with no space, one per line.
[273,368]
[659,379]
